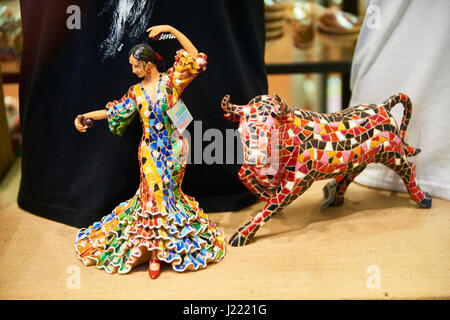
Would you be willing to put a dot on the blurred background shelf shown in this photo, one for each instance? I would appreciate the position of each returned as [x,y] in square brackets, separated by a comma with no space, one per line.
[310,59]
[10,71]
[325,56]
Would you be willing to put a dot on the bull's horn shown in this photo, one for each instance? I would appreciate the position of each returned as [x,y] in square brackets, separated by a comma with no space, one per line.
[284,108]
[229,107]
[277,98]
[225,102]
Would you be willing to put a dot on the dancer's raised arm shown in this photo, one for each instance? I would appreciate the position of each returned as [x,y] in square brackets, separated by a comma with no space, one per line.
[184,41]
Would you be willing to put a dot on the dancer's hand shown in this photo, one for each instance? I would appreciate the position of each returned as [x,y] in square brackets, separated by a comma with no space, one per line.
[157,30]
[78,124]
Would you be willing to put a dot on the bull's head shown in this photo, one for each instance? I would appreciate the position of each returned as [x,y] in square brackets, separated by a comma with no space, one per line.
[257,125]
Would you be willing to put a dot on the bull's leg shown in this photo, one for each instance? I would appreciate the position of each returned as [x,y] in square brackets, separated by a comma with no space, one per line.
[247,175]
[407,171]
[287,192]
[335,189]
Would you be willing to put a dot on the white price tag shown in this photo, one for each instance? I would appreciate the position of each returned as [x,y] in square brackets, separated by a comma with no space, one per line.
[180,116]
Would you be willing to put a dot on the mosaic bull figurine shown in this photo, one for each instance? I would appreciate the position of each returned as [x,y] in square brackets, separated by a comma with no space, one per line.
[286,150]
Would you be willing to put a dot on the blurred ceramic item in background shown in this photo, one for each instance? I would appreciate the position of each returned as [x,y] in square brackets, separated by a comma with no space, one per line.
[13,118]
[334,20]
[343,40]
[307,16]
[10,33]
[303,24]
[274,15]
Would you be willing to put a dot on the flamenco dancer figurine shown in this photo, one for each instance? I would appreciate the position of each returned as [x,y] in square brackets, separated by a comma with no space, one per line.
[160,223]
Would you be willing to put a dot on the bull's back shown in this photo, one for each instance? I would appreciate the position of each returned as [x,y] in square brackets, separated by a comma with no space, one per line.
[337,142]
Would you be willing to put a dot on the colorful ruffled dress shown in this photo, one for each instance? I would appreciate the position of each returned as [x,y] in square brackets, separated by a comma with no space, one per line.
[159,216]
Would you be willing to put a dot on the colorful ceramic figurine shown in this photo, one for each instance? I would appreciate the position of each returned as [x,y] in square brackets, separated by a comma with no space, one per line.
[286,150]
[160,223]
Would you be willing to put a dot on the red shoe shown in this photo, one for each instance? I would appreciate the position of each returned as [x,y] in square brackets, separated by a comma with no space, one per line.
[154,273]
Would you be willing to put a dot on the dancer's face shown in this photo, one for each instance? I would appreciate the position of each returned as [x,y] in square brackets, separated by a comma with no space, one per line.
[139,68]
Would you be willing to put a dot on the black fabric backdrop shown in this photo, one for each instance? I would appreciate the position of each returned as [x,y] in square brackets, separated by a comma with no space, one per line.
[77,178]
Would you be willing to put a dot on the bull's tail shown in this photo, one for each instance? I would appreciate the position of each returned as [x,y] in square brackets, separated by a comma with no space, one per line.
[407,106]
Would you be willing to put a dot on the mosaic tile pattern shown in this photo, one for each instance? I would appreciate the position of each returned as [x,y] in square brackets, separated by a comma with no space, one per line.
[312,146]
[159,216]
